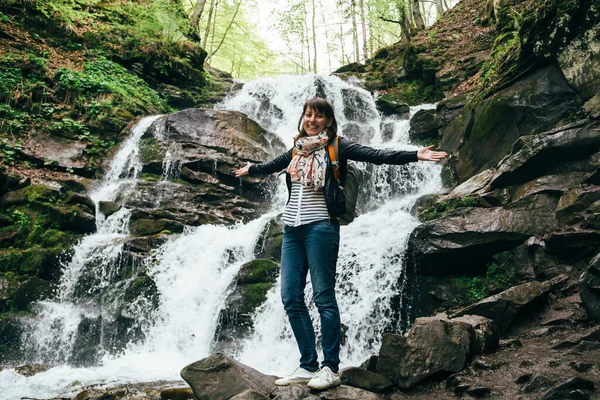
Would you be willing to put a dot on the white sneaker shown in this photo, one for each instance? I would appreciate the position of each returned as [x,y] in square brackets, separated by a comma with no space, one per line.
[299,375]
[325,378]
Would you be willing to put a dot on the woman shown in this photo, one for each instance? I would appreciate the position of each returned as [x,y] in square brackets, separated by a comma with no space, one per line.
[312,233]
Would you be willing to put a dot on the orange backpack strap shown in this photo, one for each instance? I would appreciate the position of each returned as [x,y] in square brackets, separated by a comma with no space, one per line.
[333,156]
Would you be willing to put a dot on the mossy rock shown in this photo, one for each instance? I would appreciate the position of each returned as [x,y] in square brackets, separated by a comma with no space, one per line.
[150,150]
[30,291]
[271,240]
[42,262]
[108,208]
[258,271]
[389,106]
[29,194]
[142,286]
[146,227]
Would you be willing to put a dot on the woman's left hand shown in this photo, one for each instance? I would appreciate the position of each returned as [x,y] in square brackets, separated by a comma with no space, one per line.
[428,154]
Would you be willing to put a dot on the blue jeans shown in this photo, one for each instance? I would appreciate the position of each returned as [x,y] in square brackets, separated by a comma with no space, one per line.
[312,247]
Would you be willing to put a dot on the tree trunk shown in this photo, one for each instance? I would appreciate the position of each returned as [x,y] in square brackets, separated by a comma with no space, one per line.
[355,32]
[337,5]
[327,36]
[306,36]
[197,14]
[237,8]
[404,21]
[417,17]
[364,30]
[314,12]
[439,7]
[212,36]
[207,31]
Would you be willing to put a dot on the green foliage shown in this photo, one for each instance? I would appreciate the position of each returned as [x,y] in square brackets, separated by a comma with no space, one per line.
[254,295]
[504,55]
[447,206]
[501,274]
[105,77]
[9,151]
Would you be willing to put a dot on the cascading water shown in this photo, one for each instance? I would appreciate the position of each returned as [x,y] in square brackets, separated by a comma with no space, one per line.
[193,272]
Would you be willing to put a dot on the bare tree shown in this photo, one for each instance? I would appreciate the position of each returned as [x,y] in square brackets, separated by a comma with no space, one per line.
[364,29]
[197,13]
[207,31]
[237,8]
[417,17]
[354,31]
[314,37]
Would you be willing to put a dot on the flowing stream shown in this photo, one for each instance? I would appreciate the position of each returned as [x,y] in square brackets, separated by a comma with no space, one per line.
[193,272]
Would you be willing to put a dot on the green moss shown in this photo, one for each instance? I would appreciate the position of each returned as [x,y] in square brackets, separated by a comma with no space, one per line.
[150,177]
[414,92]
[150,150]
[254,295]
[262,271]
[471,289]
[429,213]
[40,193]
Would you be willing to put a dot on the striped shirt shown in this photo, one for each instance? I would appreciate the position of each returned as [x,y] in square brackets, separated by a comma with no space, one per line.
[305,206]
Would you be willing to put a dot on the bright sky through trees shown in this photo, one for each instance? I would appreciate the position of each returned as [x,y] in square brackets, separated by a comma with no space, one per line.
[253,38]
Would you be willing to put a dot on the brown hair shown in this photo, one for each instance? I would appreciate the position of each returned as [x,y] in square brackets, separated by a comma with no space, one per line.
[319,105]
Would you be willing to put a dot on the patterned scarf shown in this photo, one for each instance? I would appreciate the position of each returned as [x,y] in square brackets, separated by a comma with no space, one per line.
[310,162]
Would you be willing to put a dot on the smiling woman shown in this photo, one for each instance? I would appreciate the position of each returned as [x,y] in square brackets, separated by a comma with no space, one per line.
[311,237]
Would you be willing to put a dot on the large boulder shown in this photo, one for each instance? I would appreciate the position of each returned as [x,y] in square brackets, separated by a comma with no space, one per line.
[361,378]
[432,345]
[219,377]
[424,126]
[503,307]
[482,135]
[589,289]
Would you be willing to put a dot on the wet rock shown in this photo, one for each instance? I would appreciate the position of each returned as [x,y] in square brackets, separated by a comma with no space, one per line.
[252,283]
[31,290]
[589,289]
[449,108]
[220,377]
[391,107]
[504,307]
[361,378]
[348,393]
[592,106]
[31,369]
[573,388]
[250,395]
[270,241]
[431,345]
[359,133]
[536,104]
[177,394]
[108,208]
[424,126]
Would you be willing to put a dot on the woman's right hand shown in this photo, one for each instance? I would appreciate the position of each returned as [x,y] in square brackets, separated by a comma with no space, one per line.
[242,171]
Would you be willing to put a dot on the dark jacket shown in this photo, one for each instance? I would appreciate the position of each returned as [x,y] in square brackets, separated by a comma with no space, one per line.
[348,150]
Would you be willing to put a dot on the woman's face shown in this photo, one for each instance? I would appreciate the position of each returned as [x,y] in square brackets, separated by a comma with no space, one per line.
[314,122]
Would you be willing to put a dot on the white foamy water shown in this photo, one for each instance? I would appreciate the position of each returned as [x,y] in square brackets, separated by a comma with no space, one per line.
[193,272]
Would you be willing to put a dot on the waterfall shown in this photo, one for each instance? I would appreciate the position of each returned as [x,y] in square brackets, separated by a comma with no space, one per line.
[193,272]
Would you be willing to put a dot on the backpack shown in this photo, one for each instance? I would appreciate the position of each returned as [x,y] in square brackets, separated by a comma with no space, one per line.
[354,178]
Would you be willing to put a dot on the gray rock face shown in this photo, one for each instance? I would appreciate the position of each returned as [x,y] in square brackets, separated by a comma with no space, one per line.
[482,135]
[219,377]
[504,307]
[424,126]
[250,395]
[189,159]
[431,345]
[361,378]
[589,289]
